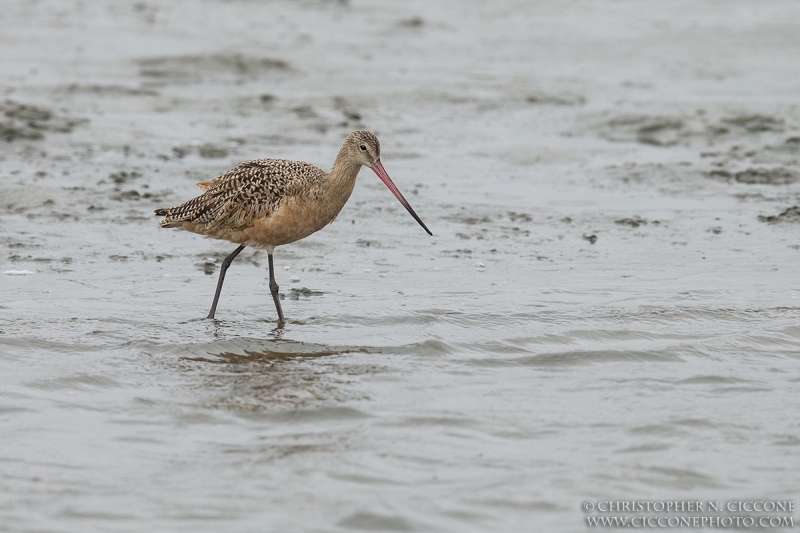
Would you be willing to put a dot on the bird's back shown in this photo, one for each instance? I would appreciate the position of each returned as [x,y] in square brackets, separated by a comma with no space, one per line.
[250,191]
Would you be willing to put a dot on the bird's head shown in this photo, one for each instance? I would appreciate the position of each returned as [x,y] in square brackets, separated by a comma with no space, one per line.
[363,147]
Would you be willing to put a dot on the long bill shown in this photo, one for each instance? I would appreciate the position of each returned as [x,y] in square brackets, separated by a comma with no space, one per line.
[377,167]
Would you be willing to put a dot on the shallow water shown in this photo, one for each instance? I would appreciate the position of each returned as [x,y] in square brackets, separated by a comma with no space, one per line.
[601,313]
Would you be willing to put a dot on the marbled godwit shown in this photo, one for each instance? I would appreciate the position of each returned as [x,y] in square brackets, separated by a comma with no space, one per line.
[265,203]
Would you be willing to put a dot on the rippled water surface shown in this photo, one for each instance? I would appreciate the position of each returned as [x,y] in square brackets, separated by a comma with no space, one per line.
[608,308]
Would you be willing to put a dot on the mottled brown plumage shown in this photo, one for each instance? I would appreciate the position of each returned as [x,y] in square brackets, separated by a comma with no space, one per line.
[251,190]
[266,203]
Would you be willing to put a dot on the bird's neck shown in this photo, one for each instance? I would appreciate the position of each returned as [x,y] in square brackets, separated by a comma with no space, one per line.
[344,172]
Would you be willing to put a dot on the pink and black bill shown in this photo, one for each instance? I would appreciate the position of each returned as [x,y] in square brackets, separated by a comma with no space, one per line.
[377,167]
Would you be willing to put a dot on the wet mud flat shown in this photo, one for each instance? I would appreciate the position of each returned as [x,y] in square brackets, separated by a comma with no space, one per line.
[607,308]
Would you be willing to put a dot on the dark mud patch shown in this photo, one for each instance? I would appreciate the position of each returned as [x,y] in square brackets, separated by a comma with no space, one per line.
[543,98]
[457,253]
[207,267]
[211,151]
[199,68]
[634,221]
[519,217]
[767,176]
[469,218]
[124,176]
[665,176]
[19,258]
[352,118]
[113,91]
[305,112]
[205,150]
[755,123]
[303,292]
[790,147]
[792,214]
[758,176]
[216,258]
[267,98]
[30,122]
[655,131]
[482,226]
[669,131]
[412,22]
[132,195]
[366,243]
[786,153]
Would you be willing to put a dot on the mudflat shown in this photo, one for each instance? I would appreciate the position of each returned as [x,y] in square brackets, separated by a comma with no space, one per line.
[608,308]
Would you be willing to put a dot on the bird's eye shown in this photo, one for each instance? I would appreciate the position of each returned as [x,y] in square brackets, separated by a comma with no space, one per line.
[363,147]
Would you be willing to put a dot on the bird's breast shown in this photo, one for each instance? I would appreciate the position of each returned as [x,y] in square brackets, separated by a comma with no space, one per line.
[296,218]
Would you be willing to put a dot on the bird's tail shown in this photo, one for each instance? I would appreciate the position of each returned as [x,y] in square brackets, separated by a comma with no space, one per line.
[168,222]
[195,210]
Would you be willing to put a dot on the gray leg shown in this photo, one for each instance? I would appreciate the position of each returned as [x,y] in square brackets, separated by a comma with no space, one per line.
[225,264]
[273,288]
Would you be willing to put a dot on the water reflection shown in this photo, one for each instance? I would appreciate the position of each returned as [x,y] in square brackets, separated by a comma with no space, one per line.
[267,374]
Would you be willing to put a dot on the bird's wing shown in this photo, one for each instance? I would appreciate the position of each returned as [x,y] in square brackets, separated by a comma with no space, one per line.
[205,185]
[247,192]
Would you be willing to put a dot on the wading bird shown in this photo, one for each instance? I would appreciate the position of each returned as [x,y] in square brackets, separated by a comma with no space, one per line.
[266,203]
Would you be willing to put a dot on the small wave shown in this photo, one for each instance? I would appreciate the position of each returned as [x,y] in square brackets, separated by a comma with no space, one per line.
[303,416]
[376,522]
[677,478]
[586,357]
[21,345]
[246,350]
[250,350]
[705,380]
[76,381]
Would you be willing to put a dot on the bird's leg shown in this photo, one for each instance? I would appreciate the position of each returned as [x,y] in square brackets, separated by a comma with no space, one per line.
[273,288]
[225,264]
